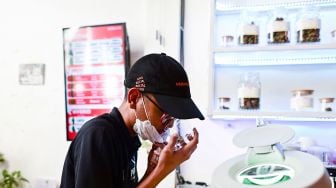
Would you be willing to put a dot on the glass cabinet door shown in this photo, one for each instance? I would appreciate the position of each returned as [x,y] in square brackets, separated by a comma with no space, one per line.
[290,44]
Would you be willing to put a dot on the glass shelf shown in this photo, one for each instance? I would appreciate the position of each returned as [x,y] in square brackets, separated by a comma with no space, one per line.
[262,5]
[276,55]
[288,116]
[276,47]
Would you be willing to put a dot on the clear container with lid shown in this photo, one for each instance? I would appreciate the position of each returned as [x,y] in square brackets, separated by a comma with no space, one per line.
[302,100]
[327,104]
[333,34]
[248,30]
[249,91]
[227,40]
[224,103]
[278,29]
[308,25]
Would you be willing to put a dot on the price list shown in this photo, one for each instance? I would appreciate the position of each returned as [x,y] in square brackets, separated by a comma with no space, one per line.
[94,62]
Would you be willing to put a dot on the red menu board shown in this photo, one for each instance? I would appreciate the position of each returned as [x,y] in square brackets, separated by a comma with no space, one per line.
[95,62]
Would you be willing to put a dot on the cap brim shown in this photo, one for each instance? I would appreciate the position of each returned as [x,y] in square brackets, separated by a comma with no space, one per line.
[179,107]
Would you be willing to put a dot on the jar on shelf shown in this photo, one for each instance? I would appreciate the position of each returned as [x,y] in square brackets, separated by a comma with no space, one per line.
[278,30]
[227,40]
[333,34]
[308,25]
[249,91]
[327,104]
[248,30]
[224,103]
[302,99]
[333,157]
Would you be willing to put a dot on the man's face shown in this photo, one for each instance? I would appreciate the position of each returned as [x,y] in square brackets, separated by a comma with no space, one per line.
[156,114]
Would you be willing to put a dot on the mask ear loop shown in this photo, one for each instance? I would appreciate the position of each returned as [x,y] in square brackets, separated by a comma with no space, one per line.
[143,103]
[136,117]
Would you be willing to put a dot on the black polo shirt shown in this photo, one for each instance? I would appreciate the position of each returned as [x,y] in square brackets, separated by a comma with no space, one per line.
[102,155]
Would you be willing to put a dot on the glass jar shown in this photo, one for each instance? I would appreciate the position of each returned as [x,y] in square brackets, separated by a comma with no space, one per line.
[333,157]
[278,27]
[302,99]
[249,91]
[333,34]
[326,104]
[308,25]
[224,103]
[227,40]
[248,31]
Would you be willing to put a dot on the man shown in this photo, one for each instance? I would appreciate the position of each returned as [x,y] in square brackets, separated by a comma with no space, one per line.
[104,152]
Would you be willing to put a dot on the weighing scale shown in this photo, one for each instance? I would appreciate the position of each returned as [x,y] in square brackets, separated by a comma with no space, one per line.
[267,164]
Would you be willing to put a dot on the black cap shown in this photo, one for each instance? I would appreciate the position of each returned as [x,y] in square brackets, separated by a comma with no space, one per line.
[166,79]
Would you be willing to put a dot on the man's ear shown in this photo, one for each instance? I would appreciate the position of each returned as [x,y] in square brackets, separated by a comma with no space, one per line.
[133,96]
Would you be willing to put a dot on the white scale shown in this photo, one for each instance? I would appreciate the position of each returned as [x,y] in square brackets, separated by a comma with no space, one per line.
[266,164]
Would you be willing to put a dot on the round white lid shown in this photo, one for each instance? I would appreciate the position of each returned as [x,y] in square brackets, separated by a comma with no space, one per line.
[263,136]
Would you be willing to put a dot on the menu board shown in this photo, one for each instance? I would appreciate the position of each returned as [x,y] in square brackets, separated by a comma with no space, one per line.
[95,62]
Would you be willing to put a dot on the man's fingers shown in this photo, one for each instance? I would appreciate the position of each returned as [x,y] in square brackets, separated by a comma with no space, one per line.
[158,145]
[172,141]
[193,141]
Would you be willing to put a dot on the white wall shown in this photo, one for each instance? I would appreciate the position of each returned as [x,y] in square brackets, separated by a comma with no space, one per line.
[32,127]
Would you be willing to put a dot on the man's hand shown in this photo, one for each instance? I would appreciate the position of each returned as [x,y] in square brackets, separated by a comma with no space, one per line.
[161,163]
[153,157]
[170,158]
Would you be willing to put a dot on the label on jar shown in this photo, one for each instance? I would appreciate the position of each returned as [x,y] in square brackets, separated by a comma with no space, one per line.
[299,103]
[248,92]
[308,23]
[248,29]
[277,26]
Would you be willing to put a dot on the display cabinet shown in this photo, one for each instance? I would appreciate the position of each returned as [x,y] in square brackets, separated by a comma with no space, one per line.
[289,44]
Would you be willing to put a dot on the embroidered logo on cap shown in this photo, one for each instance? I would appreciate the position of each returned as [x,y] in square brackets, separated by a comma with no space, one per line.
[140,83]
[181,84]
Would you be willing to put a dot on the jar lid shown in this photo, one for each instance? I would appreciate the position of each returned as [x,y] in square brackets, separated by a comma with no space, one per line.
[327,100]
[303,92]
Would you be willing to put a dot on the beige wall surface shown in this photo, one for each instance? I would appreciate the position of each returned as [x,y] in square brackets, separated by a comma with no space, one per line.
[32,128]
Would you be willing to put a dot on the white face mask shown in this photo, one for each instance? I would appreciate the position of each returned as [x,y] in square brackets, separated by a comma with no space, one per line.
[147,131]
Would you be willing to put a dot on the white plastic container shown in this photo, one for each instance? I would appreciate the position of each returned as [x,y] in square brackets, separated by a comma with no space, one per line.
[326,104]
[224,103]
[227,40]
[333,34]
[302,100]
